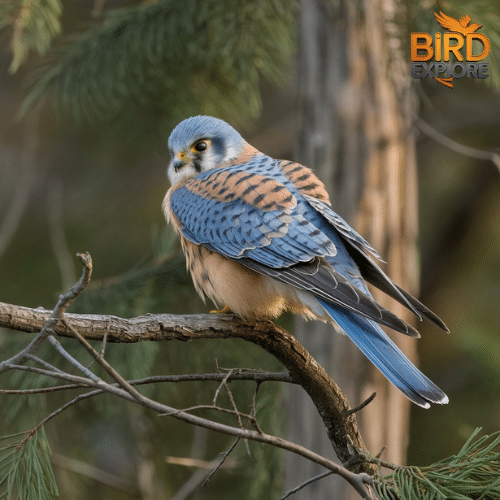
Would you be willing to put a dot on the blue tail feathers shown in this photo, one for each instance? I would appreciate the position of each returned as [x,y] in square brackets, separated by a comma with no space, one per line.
[386,356]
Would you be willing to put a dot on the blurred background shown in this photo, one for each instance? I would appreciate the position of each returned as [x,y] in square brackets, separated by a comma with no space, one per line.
[89,92]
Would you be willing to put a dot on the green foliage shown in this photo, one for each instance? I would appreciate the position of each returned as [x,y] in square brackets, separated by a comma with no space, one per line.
[26,473]
[473,473]
[34,23]
[149,66]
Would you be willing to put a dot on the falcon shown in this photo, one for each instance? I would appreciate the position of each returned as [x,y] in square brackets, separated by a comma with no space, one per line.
[260,237]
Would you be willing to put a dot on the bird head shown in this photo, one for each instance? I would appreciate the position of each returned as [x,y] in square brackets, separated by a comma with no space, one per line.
[201,143]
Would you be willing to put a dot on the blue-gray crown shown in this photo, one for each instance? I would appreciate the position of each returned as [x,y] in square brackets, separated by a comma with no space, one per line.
[222,135]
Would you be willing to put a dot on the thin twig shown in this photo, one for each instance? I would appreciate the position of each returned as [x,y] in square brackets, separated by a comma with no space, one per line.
[221,409]
[44,363]
[383,463]
[253,410]
[480,154]
[107,367]
[291,492]
[223,459]
[241,374]
[221,385]
[236,411]
[65,354]
[66,299]
[197,463]
[68,377]
[57,412]
[366,402]
[62,304]
[104,343]
[197,479]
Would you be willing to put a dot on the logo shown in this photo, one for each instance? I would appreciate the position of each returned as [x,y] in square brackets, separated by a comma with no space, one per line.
[461,43]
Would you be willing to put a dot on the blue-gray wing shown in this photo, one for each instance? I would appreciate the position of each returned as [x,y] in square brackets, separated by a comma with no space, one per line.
[360,251]
[255,219]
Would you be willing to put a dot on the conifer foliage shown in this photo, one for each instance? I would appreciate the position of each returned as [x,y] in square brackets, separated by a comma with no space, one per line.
[34,24]
[160,62]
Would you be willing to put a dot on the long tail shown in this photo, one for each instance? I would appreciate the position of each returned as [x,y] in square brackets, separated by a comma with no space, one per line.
[386,356]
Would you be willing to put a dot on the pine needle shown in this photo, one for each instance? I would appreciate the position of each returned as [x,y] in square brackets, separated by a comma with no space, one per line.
[26,471]
[473,473]
[162,62]
[34,24]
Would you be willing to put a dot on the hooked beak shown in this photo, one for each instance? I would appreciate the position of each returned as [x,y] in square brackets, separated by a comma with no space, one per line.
[177,164]
[180,160]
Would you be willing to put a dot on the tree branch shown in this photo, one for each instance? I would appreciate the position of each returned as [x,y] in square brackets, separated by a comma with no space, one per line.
[46,328]
[339,419]
[480,154]
[303,368]
[236,374]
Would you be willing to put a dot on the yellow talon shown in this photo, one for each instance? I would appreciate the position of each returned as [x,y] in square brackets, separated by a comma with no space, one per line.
[224,310]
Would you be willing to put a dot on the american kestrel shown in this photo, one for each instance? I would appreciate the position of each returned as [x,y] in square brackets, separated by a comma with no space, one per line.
[260,238]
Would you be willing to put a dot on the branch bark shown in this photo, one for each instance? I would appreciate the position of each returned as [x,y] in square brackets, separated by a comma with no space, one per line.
[304,370]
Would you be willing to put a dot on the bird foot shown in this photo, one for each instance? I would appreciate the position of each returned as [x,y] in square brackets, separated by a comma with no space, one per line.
[224,310]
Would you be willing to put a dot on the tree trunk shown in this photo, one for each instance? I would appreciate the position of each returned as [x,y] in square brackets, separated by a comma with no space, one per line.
[355,111]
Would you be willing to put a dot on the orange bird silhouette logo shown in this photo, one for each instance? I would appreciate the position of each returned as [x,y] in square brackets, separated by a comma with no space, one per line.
[462,26]
[458,41]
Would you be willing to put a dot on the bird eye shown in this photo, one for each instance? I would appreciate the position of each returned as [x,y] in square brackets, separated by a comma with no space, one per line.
[200,146]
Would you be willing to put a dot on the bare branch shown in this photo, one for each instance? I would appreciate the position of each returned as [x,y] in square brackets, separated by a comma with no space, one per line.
[66,299]
[60,349]
[16,362]
[366,402]
[480,154]
[220,409]
[291,492]
[253,410]
[44,363]
[303,369]
[221,385]
[199,477]
[361,483]
[221,462]
[238,414]
[240,374]
[46,328]
[68,377]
